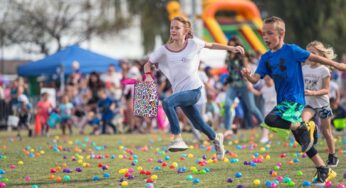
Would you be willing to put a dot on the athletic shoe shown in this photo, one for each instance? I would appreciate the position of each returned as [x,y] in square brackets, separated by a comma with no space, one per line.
[323,175]
[218,143]
[177,145]
[332,161]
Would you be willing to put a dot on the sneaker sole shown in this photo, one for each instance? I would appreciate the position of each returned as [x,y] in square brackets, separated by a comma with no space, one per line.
[311,131]
[333,166]
[177,149]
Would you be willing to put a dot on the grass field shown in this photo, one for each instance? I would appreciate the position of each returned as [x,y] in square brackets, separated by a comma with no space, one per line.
[36,157]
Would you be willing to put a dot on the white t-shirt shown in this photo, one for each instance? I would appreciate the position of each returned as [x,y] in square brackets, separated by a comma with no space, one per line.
[313,80]
[180,67]
[269,97]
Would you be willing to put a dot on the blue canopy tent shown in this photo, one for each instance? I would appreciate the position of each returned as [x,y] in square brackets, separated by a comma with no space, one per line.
[50,65]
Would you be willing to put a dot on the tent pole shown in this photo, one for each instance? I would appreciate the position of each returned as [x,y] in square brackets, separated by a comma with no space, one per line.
[62,78]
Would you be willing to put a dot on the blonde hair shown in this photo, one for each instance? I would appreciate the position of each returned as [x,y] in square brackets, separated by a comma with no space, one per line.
[187,25]
[279,24]
[327,52]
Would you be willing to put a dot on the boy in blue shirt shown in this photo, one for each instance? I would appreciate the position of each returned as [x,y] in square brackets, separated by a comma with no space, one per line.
[107,109]
[283,64]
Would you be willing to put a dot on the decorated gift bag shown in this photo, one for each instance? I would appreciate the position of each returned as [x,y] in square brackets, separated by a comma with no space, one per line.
[145,98]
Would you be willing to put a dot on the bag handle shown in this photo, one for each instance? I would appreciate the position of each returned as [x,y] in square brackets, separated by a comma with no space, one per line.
[129,81]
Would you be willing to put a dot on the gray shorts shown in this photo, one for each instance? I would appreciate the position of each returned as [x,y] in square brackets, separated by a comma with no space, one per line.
[323,112]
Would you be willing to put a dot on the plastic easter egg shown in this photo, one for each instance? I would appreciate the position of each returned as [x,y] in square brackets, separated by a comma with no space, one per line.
[124,183]
[328,184]
[12,166]
[291,184]
[106,175]
[34,186]
[195,181]
[306,184]
[341,186]
[287,179]
[268,183]
[238,175]
[189,177]
[27,178]
[279,178]
[95,178]
[2,185]
[67,178]
[299,173]
[20,162]
[229,180]
[256,182]
[149,185]
[58,179]
[154,177]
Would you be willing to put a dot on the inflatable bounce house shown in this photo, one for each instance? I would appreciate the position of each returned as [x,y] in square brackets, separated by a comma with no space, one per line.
[223,19]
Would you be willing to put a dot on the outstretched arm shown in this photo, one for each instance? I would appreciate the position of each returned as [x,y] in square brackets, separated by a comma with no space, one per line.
[216,46]
[253,78]
[325,61]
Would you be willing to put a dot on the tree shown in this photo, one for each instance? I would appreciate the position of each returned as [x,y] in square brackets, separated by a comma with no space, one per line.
[311,20]
[153,20]
[46,26]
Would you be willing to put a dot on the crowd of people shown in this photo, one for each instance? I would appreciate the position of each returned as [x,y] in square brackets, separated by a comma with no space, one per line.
[99,101]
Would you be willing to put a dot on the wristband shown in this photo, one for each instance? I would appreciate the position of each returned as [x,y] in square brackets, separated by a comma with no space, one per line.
[148,73]
[145,76]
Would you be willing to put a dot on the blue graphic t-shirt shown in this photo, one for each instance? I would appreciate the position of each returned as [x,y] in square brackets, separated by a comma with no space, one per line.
[105,108]
[284,66]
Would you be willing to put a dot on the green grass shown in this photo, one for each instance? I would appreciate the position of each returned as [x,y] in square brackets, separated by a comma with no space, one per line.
[38,168]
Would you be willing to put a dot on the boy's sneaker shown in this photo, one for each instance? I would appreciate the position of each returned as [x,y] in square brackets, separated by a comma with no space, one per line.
[323,175]
[332,161]
[218,143]
[177,145]
[304,135]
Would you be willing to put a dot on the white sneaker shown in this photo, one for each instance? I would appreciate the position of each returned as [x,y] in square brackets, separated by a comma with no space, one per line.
[218,143]
[177,145]
[264,140]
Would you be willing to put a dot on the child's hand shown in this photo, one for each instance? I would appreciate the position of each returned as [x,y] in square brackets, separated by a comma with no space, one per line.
[246,72]
[238,49]
[148,78]
[112,107]
[309,93]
